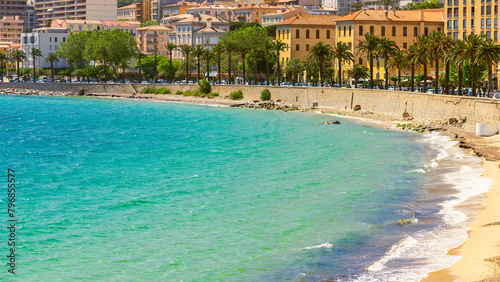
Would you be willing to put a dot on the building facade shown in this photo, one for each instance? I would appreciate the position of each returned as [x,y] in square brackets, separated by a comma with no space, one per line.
[304,31]
[11,29]
[401,26]
[49,10]
[217,11]
[464,17]
[277,17]
[15,8]
[125,26]
[127,12]
[47,40]
[78,25]
[254,13]
[151,39]
[178,9]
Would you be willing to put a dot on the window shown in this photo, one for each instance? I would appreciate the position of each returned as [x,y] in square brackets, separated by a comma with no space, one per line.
[496,35]
[349,44]
[405,30]
[496,22]
[465,23]
[465,11]
[307,33]
[488,23]
[465,35]
[50,47]
[372,30]
[345,30]
[496,9]
[482,23]
[360,61]
[378,64]
[393,31]
[488,35]
[360,30]
[297,33]
[328,34]
[287,34]
[349,30]
[50,39]
[455,35]
[449,13]
[426,31]
[64,39]
[482,10]
[382,31]
[472,23]
[297,47]
[415,31]
[317,33]
[455,24]
[55,39]
[339,31]
[439,29]
[488,10]
[307,47]
[405,45]
[279,33]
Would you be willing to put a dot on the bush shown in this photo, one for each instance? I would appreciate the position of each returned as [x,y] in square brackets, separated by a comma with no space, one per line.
[265,95]
[195,92]
[163,90]
[212,95]
[148,90]
[179,93]
[204,87]
[236,95]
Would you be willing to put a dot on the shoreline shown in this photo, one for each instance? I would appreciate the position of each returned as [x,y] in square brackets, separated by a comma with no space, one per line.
[482,242]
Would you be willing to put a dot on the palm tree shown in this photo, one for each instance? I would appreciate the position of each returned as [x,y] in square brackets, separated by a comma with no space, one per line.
[489,53]
[357,72]
[171,47]
[255,55]
[18,56]
[435,52]
[399,61]
[279,46]
[218,49]
[3,57]
[208,55]
[230,47]
[455,56]
[423,55]
[139,55]
[368,47]
[321,51]
[52,57]
[473,42]
[413,61]
[124,65]
[187,50]
[343,54]
[198,51]
[385,49]
[447,43]
[243,50]
[35,52]
[267,47]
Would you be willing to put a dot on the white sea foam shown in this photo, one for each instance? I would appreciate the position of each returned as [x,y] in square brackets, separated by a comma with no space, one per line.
[425,251]
[324,245]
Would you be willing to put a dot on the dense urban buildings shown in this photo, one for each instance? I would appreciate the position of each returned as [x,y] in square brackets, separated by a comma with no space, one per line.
[15,8]
[46,40]
[11,28]
[49,10]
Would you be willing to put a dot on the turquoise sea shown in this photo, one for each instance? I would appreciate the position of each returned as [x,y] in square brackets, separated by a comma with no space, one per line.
[119,189]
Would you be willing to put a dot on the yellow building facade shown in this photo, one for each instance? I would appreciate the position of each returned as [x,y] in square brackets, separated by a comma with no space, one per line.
[401,26]
[304,31]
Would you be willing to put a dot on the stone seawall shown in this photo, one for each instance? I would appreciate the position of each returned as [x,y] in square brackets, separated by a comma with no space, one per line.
[393,103]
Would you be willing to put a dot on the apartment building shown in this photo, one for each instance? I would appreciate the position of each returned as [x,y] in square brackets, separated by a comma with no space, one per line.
[47,40]
[304,31]
[49,10]
[254,13]
[277,17]
[217,11]
[15,8]
[178,8]
[464,17]
[124,26]
[151,39]
[401,26]
[78,25]
[11,29]
[127,12]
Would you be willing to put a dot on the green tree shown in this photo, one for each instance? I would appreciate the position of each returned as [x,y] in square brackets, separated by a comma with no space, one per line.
[198,52]
[385,49]
[470,54]
[278,47]
[218,49]
[139,56]
[399,61]
[356,5]
[447,43]
[18,56]
[171,47]
[73,49]
[489,53]
[35,52]
[267,47]
[435,53]
[207,56]
[293,67]
[3,58]
[321,51]
[187,50]
[423,55]
[52,57]
[414,60]
[342,53]
[149,23]
[229,46]
[368,46]
[357,72]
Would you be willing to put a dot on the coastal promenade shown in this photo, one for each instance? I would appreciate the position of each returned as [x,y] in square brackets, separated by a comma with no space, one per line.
[397,104]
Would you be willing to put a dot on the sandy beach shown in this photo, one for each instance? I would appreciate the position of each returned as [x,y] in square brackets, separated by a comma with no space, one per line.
[480,254]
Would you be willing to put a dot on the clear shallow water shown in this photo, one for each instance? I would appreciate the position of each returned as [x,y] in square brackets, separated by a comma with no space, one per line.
[131,189]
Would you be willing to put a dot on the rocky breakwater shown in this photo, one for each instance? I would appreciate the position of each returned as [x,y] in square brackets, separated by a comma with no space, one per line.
[33,92]
[270,105]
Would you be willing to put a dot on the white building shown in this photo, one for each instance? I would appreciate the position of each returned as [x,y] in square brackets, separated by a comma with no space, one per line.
[47,40]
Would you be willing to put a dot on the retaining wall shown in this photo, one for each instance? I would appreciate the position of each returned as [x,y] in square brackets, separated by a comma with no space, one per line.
[418,106]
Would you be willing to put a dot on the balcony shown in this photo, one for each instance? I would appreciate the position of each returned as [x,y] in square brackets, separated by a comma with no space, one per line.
[449,28]
[150,35]
[455,15]
[152,41]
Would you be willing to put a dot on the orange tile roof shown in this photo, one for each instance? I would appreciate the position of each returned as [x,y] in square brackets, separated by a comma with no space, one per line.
[307,19]
[116,23]
[128,7]
[434,15]
[259,6]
